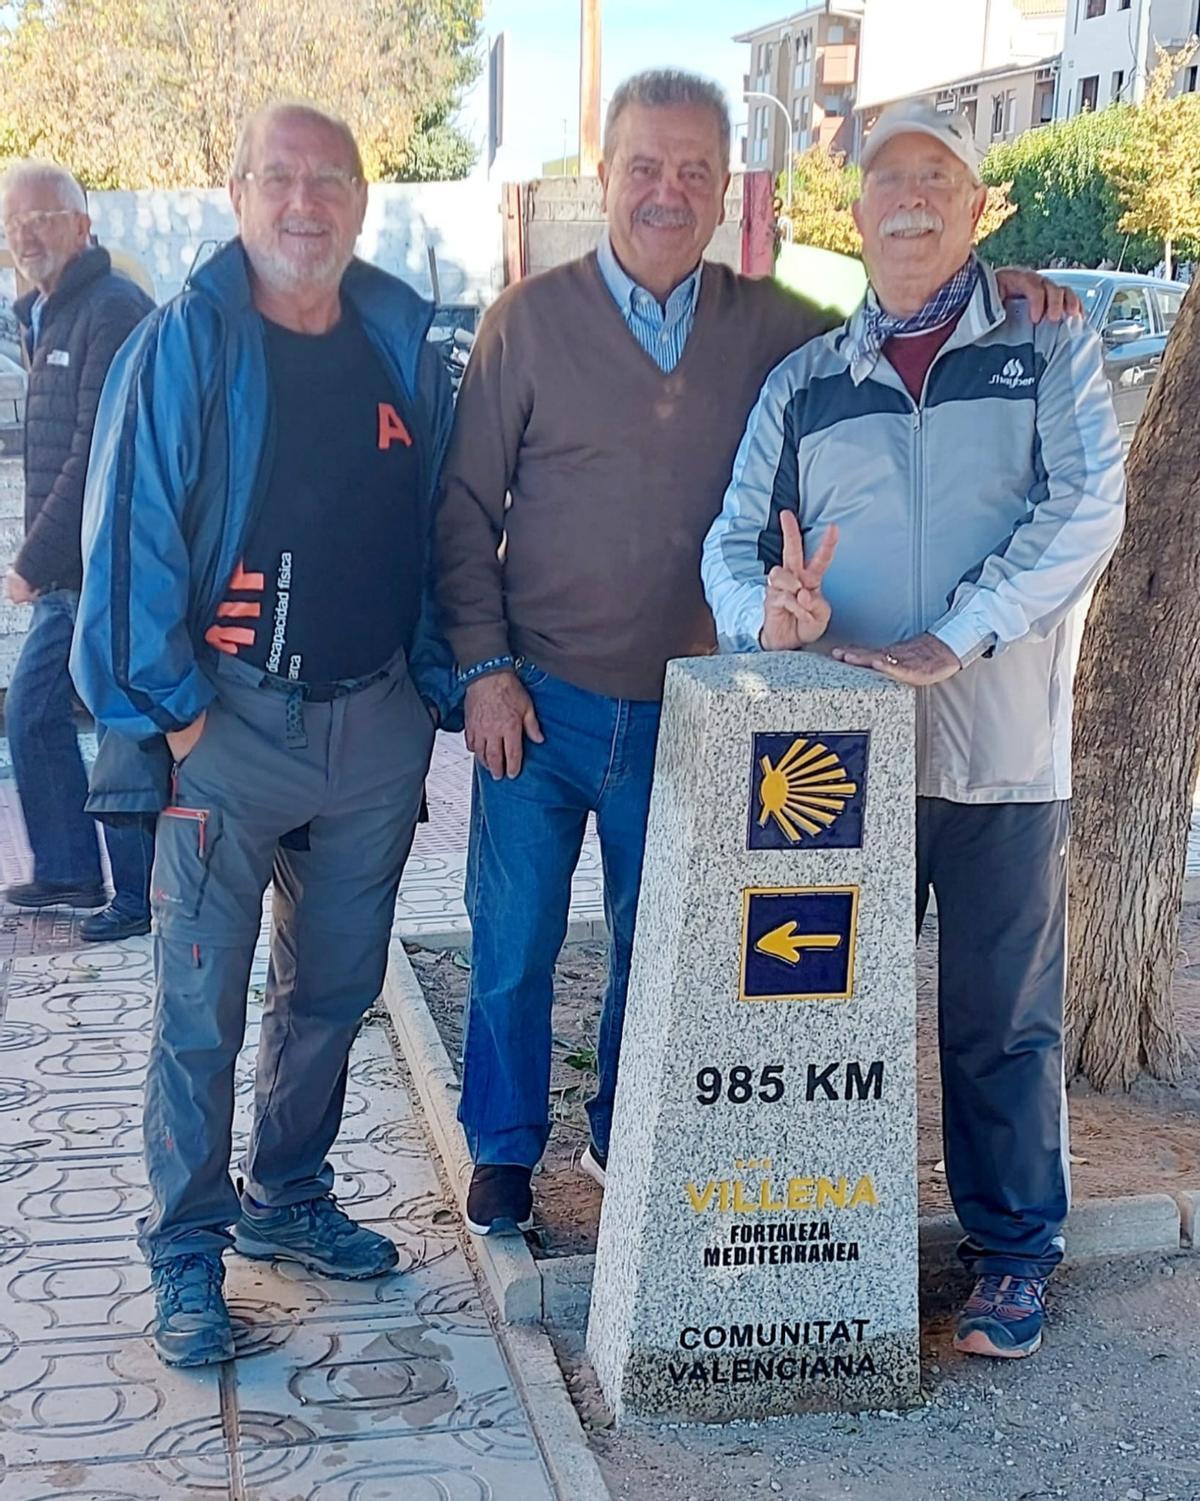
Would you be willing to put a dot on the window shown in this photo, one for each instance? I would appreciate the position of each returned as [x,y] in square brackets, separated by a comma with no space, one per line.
[1169,305]
[1191,79]
[835,36]
[1129,305]
[1125,4]
[1089,89]
[802,76]
[1010,113]
[1118,83]
[997,116]
[1095,8]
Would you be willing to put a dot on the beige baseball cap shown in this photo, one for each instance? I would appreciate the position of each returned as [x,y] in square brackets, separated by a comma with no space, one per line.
[915,117]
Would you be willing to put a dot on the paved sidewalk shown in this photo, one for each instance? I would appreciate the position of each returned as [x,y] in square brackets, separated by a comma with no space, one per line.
[430,907]
[341,1392]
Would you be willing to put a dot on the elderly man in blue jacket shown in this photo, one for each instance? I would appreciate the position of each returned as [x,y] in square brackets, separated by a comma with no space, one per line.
[256,628]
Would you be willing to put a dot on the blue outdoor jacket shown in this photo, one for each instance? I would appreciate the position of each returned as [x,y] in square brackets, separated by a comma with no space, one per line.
[183,439]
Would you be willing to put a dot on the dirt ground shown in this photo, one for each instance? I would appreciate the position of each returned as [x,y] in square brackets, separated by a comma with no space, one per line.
[1141,1142]
[1106,1411]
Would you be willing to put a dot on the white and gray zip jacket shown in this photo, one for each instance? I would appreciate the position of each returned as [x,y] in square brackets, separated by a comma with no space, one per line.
[983,514]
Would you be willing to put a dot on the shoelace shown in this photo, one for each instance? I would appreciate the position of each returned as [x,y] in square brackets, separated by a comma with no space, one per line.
[1007,1298]
[331,1217]
[188,1284]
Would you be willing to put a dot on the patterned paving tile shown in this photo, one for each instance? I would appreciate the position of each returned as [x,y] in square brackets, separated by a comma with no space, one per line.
[389,1388]
[69,1402]
[472,1466]
[205,1477]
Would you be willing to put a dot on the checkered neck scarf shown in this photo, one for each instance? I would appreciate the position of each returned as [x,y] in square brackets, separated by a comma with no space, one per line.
[949,300]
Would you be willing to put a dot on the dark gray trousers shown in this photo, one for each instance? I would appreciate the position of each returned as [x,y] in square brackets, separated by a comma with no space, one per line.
[1000,874]
[340,784]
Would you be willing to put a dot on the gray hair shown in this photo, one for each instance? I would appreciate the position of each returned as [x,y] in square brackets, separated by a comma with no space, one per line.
[298,109]
[45,174]
[662,88]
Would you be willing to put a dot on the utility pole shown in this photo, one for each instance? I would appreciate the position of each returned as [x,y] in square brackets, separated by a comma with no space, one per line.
[787,126]
[589,87]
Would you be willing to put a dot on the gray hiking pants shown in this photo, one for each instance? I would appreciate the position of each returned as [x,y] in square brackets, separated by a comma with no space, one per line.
[1000,874]
[322,798]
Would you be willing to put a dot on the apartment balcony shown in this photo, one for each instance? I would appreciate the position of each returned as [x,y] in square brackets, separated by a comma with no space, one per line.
[838,64]
[827,130]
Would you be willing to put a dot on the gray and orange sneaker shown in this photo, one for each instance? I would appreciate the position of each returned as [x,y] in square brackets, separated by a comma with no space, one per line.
[1003,1317]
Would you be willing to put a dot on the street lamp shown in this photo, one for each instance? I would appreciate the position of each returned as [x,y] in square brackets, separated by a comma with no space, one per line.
[779,105]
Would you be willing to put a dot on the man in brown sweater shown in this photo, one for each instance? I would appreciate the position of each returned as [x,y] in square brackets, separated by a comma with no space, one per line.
[606,398]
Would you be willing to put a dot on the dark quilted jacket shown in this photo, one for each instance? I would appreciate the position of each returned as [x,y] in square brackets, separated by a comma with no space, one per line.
[86,319]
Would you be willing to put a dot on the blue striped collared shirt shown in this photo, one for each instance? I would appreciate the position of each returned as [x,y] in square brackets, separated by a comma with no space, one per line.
[661,334]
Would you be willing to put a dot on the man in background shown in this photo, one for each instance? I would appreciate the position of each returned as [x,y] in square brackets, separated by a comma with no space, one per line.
[73,322]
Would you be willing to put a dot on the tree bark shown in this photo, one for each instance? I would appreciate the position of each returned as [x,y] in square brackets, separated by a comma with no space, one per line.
[1137,737]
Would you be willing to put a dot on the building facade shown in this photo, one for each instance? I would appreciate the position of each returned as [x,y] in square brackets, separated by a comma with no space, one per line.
[802,83]
[1001,103]
[1109,50]
[917,47]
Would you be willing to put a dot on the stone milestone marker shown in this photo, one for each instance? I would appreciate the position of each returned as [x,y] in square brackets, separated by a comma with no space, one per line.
[758,1244]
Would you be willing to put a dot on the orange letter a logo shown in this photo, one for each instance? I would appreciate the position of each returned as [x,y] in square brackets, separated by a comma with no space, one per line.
[391,427]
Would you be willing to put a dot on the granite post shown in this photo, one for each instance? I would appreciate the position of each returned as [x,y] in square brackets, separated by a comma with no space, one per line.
[758,1243]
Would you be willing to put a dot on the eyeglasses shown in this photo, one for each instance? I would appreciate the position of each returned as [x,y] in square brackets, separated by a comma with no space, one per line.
[36,220]
[330,185]
[926,180]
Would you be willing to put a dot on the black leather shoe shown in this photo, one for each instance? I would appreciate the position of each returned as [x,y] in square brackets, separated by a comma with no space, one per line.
[50,894]
[500,1200]
[111,925]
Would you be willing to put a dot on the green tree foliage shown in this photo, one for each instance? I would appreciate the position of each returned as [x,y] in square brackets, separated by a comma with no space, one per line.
[1068,205]
[151,93]
[1156,173]
[823,188]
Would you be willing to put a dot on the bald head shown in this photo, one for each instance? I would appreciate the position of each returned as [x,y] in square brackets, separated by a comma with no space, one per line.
[285,112]
[45,218]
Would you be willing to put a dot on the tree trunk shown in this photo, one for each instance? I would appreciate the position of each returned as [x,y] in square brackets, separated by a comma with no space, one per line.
[1137,734]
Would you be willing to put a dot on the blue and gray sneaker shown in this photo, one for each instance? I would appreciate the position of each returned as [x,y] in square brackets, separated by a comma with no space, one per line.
[1003,1317]
[318,1235]
[191,1326]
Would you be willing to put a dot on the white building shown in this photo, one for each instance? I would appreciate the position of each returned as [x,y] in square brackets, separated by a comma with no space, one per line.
[1108,50]
[913,47]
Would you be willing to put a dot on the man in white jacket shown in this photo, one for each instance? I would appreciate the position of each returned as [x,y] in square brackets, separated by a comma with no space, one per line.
[959,471]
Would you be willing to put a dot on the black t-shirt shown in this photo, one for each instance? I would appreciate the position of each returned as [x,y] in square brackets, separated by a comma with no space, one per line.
[330,581]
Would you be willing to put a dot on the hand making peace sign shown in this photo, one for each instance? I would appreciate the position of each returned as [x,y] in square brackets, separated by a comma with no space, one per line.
[796,613]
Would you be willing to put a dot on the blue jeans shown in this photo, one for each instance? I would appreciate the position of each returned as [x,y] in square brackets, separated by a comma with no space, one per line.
[526,834]
[51,780]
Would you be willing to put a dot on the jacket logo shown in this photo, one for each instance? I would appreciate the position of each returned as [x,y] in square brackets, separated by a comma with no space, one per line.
[1013,376]
[59,357]
[391,428]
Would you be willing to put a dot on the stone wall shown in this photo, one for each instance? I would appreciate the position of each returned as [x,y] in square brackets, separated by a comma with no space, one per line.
[166,230]
[14,619]
[564,219]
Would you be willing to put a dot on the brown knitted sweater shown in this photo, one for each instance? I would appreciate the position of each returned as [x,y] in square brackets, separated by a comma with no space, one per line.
[616,471]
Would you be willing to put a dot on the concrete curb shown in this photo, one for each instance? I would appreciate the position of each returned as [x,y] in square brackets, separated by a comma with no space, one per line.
[1138,1225]
[511,1273]
[558,1291]
[457,935]
[573,1468]
[509,1269]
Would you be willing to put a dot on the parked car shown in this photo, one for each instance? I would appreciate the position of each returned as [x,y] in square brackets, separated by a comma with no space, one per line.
[1134,315]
